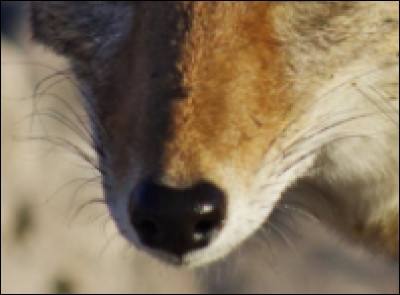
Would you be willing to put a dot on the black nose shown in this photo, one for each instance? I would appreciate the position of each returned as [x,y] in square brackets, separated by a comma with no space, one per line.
[177,220]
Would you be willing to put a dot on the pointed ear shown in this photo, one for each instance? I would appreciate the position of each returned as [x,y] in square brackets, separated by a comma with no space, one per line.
[81,30]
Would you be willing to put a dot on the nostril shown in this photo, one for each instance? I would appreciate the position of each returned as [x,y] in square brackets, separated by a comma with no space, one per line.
[204,226]
[204,229]
[147,227]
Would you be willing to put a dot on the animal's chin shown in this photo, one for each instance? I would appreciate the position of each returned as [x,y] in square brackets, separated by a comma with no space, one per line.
[190,260]
[185,263]
[196,259]
[167,258]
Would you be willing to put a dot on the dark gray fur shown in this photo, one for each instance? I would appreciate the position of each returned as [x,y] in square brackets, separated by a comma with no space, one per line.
[81,30]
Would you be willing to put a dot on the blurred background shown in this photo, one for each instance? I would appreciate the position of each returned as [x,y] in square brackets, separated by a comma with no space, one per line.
[56,237]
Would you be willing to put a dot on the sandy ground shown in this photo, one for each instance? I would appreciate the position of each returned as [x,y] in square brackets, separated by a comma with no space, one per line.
[52,243]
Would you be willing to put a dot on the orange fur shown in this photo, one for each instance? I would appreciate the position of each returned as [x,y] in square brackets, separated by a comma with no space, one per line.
[231,44]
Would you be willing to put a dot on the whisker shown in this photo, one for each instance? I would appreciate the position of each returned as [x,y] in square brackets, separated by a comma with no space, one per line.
[80,187]
[300,211]
[61,188]
[59,141]
[66,104]
[65,121]
[284,237]
[378,106]
[87,203]
[318,148]
[303,139]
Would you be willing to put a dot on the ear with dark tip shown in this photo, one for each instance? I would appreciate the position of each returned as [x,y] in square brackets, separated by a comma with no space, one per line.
[81,29]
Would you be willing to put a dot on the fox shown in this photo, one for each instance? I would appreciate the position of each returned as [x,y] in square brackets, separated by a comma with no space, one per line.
[207,116]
